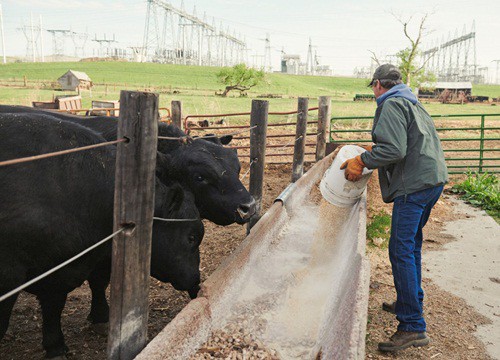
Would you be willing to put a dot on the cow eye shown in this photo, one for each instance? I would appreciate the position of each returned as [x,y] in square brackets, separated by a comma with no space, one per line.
[199,178]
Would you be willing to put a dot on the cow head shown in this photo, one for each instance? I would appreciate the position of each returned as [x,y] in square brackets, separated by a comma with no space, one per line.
[175,255]
[211,172]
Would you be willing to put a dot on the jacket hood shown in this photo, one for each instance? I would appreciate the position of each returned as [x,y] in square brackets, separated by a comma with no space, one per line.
[400,90]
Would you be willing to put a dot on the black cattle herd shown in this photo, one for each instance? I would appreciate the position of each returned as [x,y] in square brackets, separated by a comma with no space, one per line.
[54,208]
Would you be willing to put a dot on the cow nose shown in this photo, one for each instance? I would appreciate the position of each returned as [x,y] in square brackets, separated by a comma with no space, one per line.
[247,210]
[193,292]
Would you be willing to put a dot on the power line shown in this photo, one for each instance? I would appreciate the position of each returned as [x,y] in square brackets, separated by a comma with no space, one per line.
[172,35]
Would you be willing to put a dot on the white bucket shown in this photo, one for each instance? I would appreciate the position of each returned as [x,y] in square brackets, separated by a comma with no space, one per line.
[335,188]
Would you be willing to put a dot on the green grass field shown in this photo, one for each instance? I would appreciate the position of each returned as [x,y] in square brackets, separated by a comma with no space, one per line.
[196,86]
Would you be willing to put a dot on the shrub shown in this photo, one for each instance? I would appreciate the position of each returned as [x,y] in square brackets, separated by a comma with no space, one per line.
[482,190]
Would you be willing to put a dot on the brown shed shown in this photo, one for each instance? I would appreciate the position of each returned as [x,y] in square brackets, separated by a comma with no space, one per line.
[75,81]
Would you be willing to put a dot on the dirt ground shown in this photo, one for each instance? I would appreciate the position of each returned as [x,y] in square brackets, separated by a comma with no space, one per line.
[24,336]
[451,322]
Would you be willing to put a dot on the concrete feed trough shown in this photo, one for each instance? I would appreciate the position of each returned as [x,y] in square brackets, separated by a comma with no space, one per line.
[298,283]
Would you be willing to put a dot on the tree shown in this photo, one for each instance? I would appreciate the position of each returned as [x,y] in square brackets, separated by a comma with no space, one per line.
[239,77]
[410,70]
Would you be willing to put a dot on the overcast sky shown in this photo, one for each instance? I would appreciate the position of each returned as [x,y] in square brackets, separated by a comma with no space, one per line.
[341,31]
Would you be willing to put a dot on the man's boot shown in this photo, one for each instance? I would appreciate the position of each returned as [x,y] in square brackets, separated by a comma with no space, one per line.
[404,339]
[389,307]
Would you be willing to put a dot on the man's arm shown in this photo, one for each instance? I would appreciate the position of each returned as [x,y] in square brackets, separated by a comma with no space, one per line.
[390,135]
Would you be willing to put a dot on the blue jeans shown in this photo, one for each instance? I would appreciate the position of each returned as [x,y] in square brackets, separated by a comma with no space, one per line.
[409,216]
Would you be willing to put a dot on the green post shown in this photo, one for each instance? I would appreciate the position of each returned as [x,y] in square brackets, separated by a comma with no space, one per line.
[481,145]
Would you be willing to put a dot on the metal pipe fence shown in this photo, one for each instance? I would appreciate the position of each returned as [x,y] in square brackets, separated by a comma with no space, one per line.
[486,142]
[191,124]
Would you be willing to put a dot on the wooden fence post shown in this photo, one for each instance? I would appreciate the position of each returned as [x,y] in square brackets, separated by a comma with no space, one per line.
[324,114]
[134,207]
[258,118]
[300,139]
[176,107]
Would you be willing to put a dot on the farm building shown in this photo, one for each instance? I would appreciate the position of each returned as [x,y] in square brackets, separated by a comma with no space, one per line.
[290,64]
[75,81]
[437,88]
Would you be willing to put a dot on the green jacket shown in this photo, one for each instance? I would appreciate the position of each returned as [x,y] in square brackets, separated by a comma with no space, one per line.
[407,150]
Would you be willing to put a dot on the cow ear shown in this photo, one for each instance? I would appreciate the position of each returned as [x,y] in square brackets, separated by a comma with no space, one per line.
[211,138]
[175,197]
[163,164]
[226,139]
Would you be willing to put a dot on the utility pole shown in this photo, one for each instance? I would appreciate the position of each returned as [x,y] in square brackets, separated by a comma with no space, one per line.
[496,74]
[3,38]
[310,60]
[267,53]
[40,29]
[32,36]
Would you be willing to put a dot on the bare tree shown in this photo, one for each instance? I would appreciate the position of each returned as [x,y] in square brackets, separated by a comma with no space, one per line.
[408,56]
[375,58]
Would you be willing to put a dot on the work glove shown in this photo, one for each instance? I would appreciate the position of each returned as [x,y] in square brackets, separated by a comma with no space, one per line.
[353,168]
[367,147]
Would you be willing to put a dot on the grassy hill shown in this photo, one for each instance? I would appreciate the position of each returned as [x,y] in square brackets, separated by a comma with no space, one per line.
[195,87]
[178,76]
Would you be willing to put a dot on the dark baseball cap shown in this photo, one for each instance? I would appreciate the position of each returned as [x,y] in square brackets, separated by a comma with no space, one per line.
[386,72]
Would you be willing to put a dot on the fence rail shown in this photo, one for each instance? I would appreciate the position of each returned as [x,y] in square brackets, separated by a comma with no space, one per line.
[487,136]
[191,124]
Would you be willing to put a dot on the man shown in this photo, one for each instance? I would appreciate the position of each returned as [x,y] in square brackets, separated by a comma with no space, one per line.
[412,171]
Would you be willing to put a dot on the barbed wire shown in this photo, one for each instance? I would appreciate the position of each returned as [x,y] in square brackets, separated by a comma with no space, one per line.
[249,168]
[187,138]
[54,269]
[231,134]
[290,143]
[174,220]
[58,153]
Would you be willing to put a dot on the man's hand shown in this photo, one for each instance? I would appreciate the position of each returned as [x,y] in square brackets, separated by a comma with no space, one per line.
[353,168]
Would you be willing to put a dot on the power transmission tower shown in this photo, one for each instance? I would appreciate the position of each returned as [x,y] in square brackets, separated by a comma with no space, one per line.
[267,53]
[32,34]
[184,38]
[310,59]
[79,42]
[455,58]
[104,45]
[59,42]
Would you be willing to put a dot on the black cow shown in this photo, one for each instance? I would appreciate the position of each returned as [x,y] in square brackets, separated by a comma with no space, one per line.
[54,208]
[209,170]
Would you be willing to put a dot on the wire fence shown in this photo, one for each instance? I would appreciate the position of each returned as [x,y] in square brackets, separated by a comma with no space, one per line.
[99,243]
[274,134]
[58,153]
[129,266]
[60,266]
